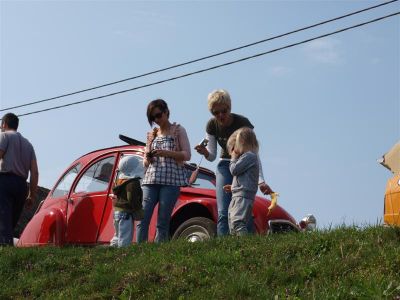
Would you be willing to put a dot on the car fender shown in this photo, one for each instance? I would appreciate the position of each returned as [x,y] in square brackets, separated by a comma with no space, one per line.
[47,227]
[197,207]
[208,203]
[262,218]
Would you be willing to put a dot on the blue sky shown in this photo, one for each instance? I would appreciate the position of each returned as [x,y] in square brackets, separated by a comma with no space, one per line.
[323,111]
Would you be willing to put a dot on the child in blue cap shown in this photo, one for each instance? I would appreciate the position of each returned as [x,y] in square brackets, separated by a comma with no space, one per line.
[128,202]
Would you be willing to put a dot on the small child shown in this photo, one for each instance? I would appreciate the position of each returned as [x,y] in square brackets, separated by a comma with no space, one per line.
[243,148]
[128,202]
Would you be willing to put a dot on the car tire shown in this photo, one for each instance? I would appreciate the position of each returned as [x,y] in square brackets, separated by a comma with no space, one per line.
[196,229]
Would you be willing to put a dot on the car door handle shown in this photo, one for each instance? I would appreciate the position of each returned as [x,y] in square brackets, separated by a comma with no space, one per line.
[71,200]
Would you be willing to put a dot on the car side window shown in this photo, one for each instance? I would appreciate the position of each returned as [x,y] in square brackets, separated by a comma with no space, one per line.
[203,180]
[66,182]
[97,177]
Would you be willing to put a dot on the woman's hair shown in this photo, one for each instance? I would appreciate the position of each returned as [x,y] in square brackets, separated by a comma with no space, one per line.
[160,104]
[219,97]
[242,140]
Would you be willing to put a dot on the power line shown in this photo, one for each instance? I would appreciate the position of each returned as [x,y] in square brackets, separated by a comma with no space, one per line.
[214,67]
[202,58]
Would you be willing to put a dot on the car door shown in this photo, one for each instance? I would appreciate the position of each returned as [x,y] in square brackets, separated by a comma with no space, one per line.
[88,200]
[107,227]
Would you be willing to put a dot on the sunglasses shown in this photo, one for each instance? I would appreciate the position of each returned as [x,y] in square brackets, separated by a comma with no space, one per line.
[157,115]
[217,112]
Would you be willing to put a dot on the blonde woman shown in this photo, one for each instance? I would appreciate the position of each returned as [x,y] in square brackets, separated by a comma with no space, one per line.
[219,128]
[243,147]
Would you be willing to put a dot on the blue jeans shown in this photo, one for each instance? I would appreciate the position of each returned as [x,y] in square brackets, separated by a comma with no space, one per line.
[166,197]
[13,193]
[123,225]
[224,177]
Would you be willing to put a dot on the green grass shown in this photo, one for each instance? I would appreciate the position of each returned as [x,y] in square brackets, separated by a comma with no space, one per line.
[342,263]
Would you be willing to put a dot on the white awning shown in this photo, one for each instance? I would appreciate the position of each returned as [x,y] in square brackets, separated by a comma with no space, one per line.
[391,159]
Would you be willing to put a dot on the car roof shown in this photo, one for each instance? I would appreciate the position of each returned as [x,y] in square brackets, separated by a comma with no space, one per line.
[103,151]
[115,148]
[137,148]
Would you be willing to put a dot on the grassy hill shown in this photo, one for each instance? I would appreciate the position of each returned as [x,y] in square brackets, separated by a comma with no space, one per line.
[343,263]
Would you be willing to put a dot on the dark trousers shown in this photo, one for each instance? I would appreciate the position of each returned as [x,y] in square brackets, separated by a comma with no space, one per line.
[13,193]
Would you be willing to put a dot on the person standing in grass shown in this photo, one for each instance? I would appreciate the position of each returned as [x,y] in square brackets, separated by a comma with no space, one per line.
[166,150]
[243,148]
[17,161]
[219,128]
[127,203]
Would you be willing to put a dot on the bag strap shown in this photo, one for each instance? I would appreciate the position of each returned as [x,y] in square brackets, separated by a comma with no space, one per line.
[176,131]
[151,135]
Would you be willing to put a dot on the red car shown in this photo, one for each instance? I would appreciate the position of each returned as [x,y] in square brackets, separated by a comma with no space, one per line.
[78,210]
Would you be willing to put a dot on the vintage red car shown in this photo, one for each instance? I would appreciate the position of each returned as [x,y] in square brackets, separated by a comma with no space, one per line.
[78,210]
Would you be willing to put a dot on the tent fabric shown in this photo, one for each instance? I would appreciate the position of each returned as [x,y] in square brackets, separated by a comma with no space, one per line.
[391,159]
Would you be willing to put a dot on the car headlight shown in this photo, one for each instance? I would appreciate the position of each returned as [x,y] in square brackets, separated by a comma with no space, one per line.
[308,223]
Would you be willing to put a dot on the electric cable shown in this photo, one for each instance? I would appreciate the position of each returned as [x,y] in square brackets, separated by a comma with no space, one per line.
[214,67]
[202,58]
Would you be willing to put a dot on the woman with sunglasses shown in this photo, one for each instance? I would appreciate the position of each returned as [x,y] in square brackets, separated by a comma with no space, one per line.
[167,148]
[218,130]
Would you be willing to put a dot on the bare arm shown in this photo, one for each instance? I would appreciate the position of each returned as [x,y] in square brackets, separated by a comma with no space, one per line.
[264,187]
[185,154]
[33,182]
[1,154]
[146,158]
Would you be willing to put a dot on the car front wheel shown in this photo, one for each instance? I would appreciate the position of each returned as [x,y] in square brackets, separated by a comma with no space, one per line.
[196,230]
